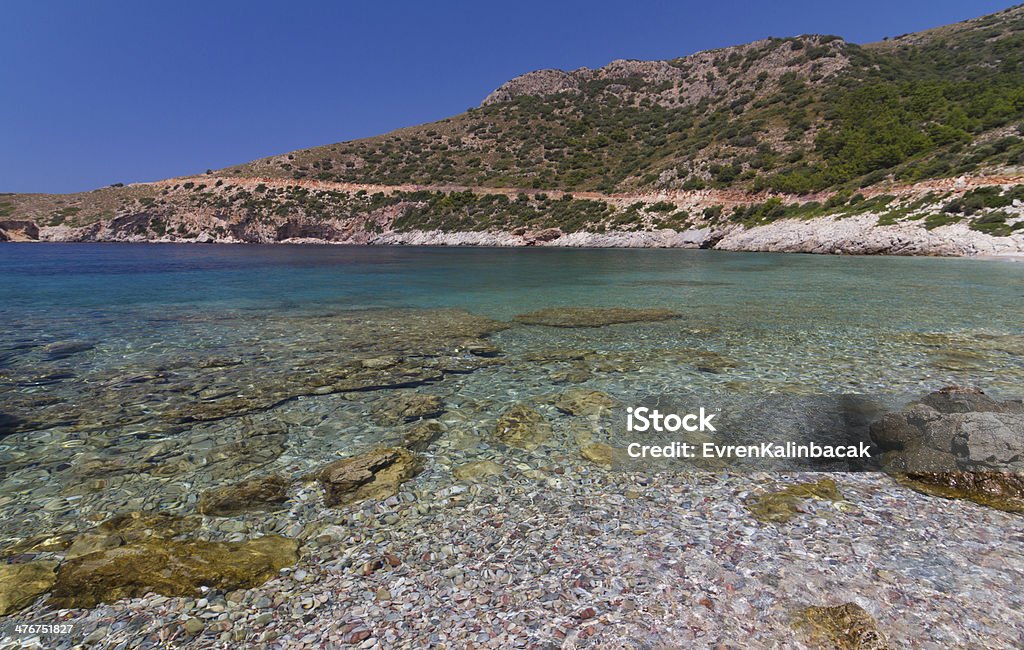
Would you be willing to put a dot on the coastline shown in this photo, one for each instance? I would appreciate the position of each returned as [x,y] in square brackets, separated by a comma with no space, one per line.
[859,235]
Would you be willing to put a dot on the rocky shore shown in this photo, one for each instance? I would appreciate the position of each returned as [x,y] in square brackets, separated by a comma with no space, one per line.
[967,217]
[850,236]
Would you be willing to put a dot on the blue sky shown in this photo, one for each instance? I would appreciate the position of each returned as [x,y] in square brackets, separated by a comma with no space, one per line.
[98,92]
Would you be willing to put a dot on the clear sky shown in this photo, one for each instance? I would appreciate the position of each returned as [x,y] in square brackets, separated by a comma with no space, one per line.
[97,92]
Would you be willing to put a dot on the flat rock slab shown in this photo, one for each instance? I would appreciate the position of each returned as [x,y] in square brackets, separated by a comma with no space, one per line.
[522,426]
[407,407]
[171,568]
[375,475]
[578,401]
[593,317]
[476,470]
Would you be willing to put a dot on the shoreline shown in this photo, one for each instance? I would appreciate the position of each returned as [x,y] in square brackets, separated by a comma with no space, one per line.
[1008,256]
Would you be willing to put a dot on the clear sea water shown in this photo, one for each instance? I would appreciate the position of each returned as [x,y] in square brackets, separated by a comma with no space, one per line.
[100,342]
[72,284]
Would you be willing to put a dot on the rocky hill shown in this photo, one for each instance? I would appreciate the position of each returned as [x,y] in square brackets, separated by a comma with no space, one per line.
[706,149]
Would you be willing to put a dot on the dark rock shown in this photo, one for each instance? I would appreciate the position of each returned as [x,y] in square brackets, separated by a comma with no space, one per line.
[8,424]
[593,317]
[957,443]
[259,493]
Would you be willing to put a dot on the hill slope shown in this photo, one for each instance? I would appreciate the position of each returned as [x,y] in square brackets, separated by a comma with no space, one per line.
[736,138]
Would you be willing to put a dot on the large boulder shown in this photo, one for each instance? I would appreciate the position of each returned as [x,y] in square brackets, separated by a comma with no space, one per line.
[20,584]
[375,475]
[957,443]
[171,568]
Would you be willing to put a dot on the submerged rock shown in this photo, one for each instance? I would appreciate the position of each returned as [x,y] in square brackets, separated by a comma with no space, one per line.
[477,470]
[957,443]
[593,317]
[50,543]
[780,506]
[65,349]
[258,493]
[375,475]
[407,407]
[418,436]
[20,584]
[523,427]
[578,401]
[574,374]
[171,568]
[135,526]
[958,399]
[842,627]
[599,453]
[130,527]
[93,542]
[8,424]
[481,348]
[397,348]
[244,454]
[998,490]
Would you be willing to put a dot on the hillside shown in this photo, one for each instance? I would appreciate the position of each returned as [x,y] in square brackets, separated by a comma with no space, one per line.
[740,137]
[793,115]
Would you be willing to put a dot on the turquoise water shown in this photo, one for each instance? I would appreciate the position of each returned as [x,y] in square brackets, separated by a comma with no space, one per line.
[128,371]
[73,284]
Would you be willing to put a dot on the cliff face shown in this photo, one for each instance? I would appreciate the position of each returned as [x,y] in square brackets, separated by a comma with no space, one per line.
[688,80]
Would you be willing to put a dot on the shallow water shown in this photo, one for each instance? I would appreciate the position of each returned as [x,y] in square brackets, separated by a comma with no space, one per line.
[134,376]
